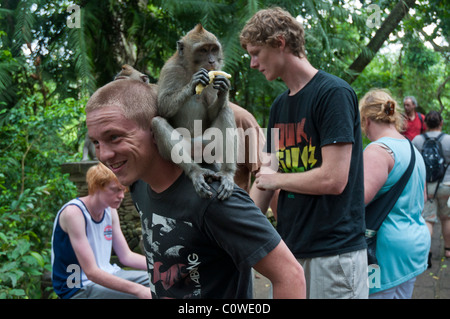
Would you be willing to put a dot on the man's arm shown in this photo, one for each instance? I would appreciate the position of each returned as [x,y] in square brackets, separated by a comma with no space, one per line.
[329,179]
[72,222]
[121,248]
[263,197]
[284,271]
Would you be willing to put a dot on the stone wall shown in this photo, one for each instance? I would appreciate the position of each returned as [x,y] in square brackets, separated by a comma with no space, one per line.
[129,218]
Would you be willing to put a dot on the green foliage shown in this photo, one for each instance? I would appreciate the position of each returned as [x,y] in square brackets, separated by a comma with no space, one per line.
[417,55]
[33,144]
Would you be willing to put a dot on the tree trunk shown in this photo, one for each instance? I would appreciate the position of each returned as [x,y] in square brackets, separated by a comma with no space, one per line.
[389,25]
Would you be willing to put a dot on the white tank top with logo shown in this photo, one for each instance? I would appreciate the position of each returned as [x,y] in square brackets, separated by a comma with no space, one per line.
[99,235]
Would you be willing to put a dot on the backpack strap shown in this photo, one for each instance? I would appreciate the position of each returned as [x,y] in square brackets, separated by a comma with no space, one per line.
[438,138]
[422,129]
[378,209]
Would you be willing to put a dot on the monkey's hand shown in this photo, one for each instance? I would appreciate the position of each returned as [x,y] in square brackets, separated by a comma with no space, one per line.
[221,83]
[200,79]
[200,178]
[226,185]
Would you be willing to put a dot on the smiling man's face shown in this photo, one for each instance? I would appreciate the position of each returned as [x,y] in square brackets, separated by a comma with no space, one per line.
[120,143]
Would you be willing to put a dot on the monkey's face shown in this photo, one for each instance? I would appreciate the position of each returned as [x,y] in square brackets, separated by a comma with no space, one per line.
[200,49]
[208,56]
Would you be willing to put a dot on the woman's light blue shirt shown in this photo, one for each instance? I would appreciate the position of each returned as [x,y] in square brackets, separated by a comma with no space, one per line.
[403,240]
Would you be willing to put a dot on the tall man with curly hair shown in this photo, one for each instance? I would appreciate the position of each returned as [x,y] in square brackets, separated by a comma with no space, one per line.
[320,175]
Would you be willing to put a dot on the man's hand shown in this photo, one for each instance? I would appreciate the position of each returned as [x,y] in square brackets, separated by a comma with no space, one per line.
[267,179]
[144,293]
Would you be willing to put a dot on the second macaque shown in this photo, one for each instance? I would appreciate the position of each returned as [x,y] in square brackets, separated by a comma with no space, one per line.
[128,72]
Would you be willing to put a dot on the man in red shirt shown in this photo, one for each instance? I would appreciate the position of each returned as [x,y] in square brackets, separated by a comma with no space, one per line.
[414,120]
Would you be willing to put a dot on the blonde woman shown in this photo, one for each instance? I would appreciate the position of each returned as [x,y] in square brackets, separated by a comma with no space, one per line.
[403,240]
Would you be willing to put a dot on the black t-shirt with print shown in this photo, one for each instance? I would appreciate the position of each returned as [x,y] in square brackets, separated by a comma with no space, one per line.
[201,248]
[324,112]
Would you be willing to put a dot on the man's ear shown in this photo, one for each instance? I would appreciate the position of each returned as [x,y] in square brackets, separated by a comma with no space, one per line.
[281,42]
[152,136]
[368,122]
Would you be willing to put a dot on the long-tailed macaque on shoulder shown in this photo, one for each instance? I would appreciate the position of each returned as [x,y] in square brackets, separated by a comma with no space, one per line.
[128,72]
[179,107]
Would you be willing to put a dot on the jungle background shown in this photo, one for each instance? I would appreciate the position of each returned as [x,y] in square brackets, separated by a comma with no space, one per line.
[52,60]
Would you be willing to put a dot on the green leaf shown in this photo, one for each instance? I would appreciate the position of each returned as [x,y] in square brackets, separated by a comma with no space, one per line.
[3,237]
[39,258]
[13,278]
[22,247]
[8,266]
[17,292]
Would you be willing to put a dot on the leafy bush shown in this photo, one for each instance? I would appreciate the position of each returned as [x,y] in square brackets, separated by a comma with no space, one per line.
[34,141]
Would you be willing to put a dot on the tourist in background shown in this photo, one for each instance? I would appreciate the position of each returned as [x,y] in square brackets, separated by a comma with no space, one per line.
[436,205]
[415,123]
[403,240]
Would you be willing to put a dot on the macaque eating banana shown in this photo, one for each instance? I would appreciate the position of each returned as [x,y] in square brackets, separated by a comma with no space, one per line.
[179,106]
[212,74]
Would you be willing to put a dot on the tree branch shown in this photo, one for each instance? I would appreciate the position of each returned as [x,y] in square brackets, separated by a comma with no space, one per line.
[435,46]
[389,25]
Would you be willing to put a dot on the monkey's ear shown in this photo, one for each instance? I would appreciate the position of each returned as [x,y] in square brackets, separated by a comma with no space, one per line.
[180,47]
[199,28]
[145,78]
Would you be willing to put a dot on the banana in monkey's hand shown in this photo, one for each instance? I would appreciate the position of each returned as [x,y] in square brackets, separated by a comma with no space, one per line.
[212,74]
